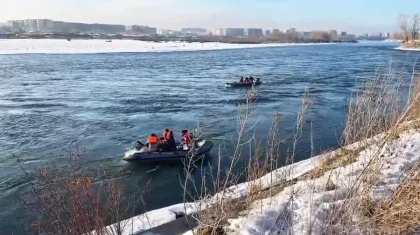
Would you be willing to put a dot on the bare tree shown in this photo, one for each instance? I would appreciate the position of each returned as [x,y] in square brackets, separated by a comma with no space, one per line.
[403,25]
[415,23]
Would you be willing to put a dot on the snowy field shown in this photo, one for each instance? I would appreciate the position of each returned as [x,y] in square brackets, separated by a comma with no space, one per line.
[62,46]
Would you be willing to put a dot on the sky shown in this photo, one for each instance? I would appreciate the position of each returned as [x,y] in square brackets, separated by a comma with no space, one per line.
[356,16]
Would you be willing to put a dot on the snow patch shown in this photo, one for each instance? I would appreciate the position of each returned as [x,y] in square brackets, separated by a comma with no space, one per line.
[407,49]
[62,46]
[312,204]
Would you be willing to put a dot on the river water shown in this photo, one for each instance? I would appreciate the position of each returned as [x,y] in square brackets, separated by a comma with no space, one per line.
[104,102]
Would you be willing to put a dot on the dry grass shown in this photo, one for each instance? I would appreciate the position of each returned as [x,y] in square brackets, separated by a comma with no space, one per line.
[400,214]
[263,159]
[344,157]
[211,221]
[66,202]
[376,110]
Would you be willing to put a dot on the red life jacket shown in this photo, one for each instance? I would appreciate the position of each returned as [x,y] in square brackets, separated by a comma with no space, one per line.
[187,138]
[168,135]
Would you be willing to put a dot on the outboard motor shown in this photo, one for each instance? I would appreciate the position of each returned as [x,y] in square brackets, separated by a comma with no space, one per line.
[139,145]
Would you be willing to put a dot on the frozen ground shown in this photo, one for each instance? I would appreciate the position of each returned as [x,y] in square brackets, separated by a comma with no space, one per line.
[62,46]
[304,207]
[407,49]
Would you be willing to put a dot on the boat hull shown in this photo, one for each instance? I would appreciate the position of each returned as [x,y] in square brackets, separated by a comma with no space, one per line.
[238,84]
[143,155]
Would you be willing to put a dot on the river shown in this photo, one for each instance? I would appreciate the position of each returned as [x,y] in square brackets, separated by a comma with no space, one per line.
[104,102]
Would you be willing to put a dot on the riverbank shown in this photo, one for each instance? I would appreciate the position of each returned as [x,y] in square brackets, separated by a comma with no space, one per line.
[410,46]
[56,46]
[160,38]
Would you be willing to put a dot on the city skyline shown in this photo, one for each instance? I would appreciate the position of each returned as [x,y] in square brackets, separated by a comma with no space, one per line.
[40,25]
[356,16]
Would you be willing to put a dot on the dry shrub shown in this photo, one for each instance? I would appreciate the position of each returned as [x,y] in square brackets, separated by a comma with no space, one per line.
[400,214]
[374,110]
[263,160]
[344,157]
[213,219]
[66,202]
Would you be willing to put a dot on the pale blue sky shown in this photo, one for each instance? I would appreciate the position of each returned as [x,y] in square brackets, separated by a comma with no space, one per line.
[358,16]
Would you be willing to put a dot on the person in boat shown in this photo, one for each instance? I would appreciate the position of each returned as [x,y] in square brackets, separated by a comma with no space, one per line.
[163,145]
[251,79]
[246,80]
[170,139]
[187,138]
[153,142]
[242,79]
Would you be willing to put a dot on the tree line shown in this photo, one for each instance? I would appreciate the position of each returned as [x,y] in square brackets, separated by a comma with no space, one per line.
[409,27]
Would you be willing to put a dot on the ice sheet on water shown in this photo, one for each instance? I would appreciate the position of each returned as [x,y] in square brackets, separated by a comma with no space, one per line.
[62,46]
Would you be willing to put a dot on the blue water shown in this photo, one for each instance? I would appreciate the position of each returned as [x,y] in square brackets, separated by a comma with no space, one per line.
[104,102]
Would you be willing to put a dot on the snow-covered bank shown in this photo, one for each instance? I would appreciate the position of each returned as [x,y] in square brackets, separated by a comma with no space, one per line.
[305,207]
[58,46]
[407,49]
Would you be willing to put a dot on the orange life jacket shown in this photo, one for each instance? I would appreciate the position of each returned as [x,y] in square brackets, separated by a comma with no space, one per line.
[153,140]
[168,135]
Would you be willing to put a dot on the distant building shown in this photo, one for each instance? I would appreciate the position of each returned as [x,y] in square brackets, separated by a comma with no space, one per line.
[275,31]
[388,35]
[31,25]
[168,32]
[46,25]
[234,32]
[141,30]
[307,34]
[219,32]
[194,31]
[267,32]
[14,24]
[343,34]
[333,34]
[291,30]
[254,33]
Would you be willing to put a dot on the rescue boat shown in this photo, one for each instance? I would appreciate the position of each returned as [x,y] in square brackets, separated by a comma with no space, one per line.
[141,152]
[243,84]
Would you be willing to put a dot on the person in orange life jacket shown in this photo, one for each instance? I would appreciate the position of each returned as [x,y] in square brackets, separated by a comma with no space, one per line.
[169,137]
[153,142]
